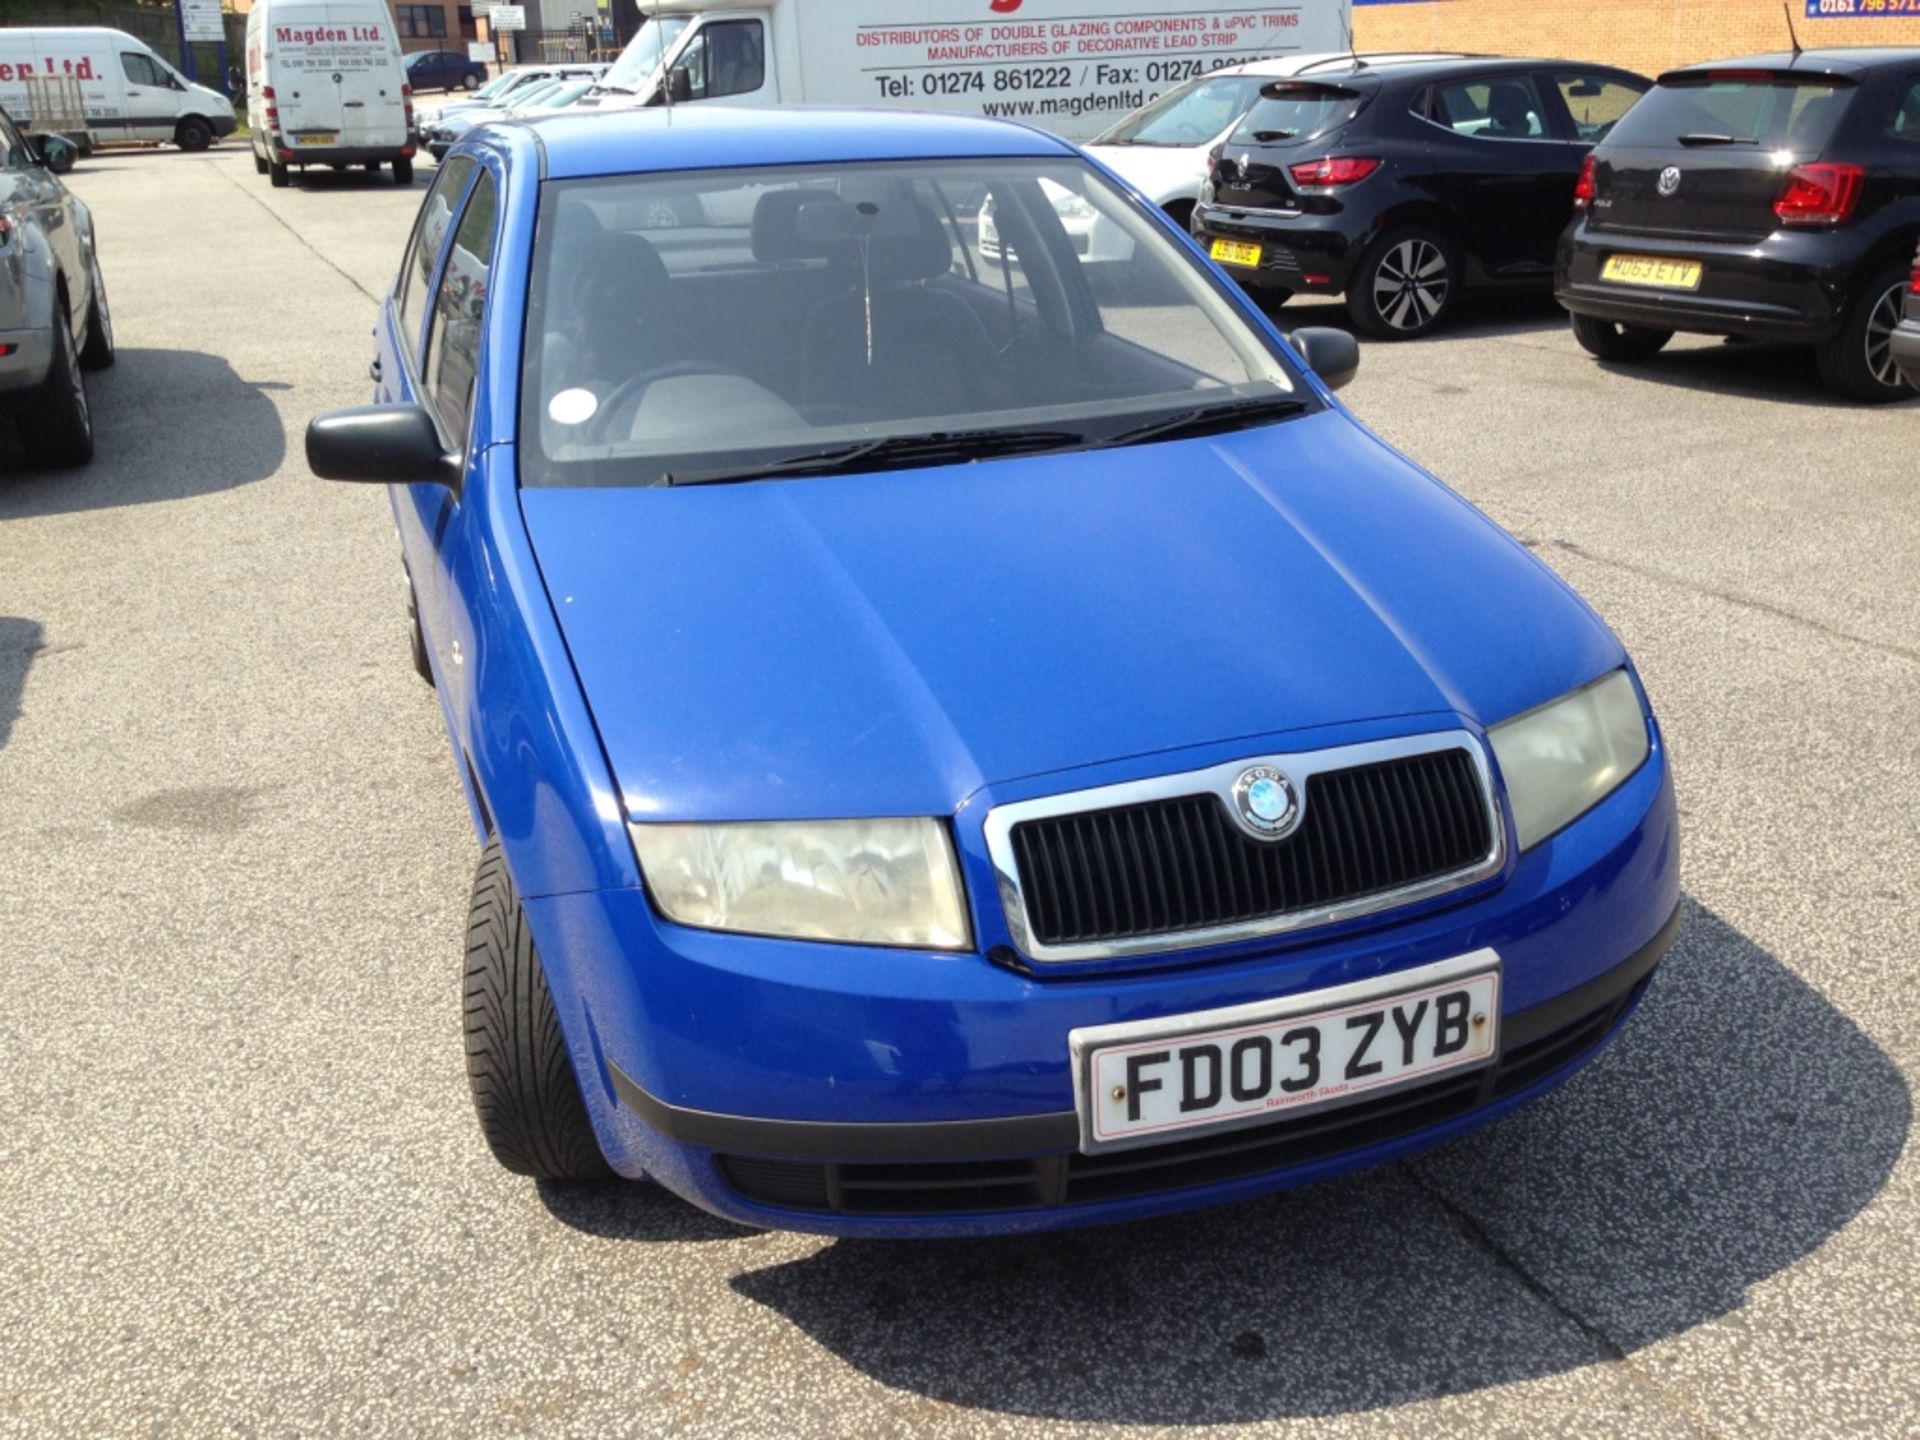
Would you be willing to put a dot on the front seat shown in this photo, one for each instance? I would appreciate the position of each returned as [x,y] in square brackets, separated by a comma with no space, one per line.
[616,317]
[1509,111]
[915,351]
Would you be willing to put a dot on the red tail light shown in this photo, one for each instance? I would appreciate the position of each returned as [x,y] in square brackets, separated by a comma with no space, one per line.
[1334,170]
[1821,194]
[1583,187]
[1913,284]
[266,92]
[406,98]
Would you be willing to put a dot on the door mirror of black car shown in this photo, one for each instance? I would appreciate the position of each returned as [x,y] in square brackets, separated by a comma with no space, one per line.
[678,86]
[1332,354]
[380,445]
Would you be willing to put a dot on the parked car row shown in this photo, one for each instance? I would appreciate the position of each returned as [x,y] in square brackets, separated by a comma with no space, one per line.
[529,90]
[1772,197]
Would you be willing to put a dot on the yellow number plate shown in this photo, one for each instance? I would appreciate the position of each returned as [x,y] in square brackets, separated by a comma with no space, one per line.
[318,137]
[1235,252]
[1651,270]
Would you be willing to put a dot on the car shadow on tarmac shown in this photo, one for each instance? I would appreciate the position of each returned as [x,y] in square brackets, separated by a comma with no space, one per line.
[168,424]
[1738,1122]
[21,640]
[1783,374]
[1475,317]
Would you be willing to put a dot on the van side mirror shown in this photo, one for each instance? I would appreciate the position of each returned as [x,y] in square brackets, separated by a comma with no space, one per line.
[381,445]
[1332,354]
[678,86]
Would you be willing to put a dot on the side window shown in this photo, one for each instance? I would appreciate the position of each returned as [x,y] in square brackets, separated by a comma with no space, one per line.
[140,69]
[1496,107]
[453,344]
[416,270]
[1905,124]
[1594,102]
[18,157]
[728,58]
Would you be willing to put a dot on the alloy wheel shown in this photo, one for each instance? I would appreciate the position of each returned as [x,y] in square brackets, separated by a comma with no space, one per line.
[1410,285]
[1880,322]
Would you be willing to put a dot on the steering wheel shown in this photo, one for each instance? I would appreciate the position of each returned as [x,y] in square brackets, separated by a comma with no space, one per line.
[628,390]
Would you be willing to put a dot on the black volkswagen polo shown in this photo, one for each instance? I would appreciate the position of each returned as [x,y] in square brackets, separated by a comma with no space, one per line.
[1775,197]
[1402,184]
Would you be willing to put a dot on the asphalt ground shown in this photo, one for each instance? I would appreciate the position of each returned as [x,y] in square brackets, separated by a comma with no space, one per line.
[241,1189]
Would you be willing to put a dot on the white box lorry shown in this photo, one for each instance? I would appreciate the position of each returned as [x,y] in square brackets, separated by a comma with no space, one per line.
[1069,66]
[326,86]
[127,92]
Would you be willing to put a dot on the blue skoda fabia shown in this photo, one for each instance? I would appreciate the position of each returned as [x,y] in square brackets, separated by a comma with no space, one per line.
[967,734]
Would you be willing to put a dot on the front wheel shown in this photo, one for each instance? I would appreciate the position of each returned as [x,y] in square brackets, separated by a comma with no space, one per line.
[1857,363]
[403,170]
[1609,340]
[56,431]
[193,133]
[525,1092]
[97,353]
[1406,285]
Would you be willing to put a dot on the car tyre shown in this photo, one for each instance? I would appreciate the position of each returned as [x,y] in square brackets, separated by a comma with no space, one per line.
[525,1092]
[193,133]
[56,431]
[1857,363]
[97,353]
[279,176]
[1406,285]
[403,170]
[470,81]
[1608,340]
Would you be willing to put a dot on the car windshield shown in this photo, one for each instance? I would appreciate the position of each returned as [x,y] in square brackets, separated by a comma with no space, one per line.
[640,61]
[565,94]
[1293,110]
[496,86]
[730,324]
[1773,112]
[535,94]
[1196,113]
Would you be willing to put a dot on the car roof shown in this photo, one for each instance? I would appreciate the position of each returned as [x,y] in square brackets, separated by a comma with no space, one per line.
[1423,68]
[695,137]
[1833,60]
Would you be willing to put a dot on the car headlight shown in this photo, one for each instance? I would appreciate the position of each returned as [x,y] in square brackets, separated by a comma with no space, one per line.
[870,882]
[1565,757]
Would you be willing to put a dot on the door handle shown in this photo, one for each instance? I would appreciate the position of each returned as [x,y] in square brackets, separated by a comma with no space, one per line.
[373,370]
[353,104]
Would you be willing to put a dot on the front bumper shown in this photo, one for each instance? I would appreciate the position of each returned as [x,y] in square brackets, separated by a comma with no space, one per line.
[1906,349]
[1791,286]
[753,1076]
[1292,248]
[224,125]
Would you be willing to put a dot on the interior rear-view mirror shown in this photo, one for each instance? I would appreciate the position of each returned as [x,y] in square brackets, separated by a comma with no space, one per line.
[1332,354]
[380,445]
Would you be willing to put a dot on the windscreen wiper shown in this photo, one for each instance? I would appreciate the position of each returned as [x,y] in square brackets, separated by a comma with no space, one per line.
[1267,137]
[605,89]
[896,451]
[1210,420]
[1708,138]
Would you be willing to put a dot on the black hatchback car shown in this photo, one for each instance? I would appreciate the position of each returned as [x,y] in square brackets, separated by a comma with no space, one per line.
[1402,184]
[1775,197]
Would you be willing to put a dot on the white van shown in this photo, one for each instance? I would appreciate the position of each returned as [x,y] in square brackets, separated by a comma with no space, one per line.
[326,86]
[128,92]
[1070,66]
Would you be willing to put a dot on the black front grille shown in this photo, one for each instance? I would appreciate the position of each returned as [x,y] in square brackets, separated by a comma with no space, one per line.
[1184,863]
[978,1187]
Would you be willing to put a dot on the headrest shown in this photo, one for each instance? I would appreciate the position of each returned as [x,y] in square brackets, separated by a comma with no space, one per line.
[904,238]
[614,270]
[776,233]
[1509,102]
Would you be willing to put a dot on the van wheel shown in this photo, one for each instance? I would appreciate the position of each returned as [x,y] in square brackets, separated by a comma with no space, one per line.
[1406,286]
[1857,363]
[97,353]
[193,133]
[259,165]
[525,1092]
[403,170]
[57,430]
[1606,340]
[279,177]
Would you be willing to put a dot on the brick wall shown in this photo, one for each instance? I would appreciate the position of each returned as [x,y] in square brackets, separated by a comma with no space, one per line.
[1644,35]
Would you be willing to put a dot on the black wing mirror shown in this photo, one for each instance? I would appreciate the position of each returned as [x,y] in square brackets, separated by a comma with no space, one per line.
[1332,354]
[678,86]
[381,445]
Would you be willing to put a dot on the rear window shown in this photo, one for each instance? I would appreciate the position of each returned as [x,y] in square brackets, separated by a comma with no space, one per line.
[1773,112]
[1290,110]
[1194,114]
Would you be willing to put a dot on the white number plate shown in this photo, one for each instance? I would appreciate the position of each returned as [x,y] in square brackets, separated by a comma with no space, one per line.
[1165,1079]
